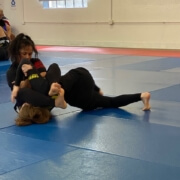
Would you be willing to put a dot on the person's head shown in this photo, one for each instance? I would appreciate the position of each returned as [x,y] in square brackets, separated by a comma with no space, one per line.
[29,114]
[22,47]
[1,13]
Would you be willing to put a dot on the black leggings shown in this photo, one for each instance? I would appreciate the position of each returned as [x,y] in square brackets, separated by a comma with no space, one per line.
[38,95]
[80,91]
[27,95]
[113,102]
[41,84]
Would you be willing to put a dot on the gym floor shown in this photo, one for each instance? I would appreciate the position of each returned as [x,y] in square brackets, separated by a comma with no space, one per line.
[105,144]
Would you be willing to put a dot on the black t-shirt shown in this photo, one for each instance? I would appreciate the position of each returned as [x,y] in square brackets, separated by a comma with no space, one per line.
[2,23]
[11,73]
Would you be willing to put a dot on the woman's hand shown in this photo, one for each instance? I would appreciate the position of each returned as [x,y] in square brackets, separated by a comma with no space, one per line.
[25,68]
[14,93]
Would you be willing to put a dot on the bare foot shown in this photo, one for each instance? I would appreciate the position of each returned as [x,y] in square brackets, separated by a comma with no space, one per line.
[59,101]
[54,89]
[145,99]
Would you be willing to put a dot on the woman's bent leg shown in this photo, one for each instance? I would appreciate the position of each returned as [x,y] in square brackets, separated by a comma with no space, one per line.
[34,98]
[53,73]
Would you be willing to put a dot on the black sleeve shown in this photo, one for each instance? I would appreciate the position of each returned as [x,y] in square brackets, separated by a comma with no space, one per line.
[10,76]
[40,84]
[19,74]
[2,23]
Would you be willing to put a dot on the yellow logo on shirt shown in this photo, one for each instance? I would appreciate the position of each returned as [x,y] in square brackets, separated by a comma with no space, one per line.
[33,76]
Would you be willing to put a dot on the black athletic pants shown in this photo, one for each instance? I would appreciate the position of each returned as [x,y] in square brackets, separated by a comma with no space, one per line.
[80,91]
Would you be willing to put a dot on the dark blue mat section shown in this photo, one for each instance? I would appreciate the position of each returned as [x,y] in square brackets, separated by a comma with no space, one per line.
[91,165]
[160,113]
[115,143]
[155,65]
[18,151]
[57,130]
[5,93]
[134,139]
[7,115]
[4,89]
[167,94]
[115,112]
[4,65]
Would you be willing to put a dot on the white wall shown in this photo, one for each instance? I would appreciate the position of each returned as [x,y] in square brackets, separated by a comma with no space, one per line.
[137,23]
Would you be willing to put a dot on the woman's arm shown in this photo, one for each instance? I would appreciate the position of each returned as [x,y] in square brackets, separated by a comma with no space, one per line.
[10,77]
[8,31]
[19,73]
[19,77]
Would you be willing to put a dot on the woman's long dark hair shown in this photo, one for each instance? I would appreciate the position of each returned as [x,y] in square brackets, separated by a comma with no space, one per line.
[18,43]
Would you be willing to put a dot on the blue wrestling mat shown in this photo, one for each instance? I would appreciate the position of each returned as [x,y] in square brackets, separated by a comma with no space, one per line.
[115,143]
